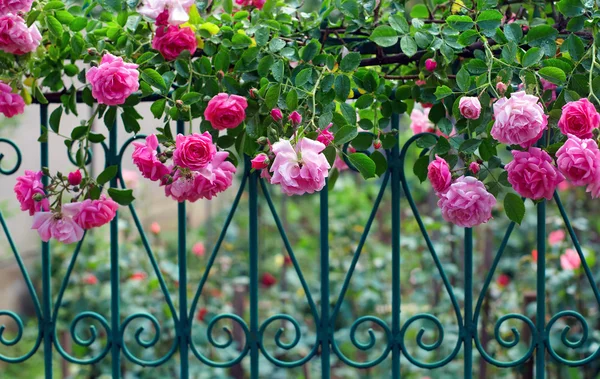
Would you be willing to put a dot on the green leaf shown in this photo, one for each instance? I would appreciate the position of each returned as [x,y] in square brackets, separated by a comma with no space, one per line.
[380,163]
[399,23]
[78,132]
[420,167]
[51,5]
[570,8]
[363,164]
[540,34]
[158,107]
[54,26]
[278,70]
[426,141]
[463,79]
[514,207]
[384,36]
[78,24]
[442,92]
[345,134]
[276,44]
[342,87]
[364,101]
[303,77]
[311,49]
[513,32]
[110,117]
[291,99]
[153,78]
[55,119]
[106,175]
[419,11]
[532,56]
[460,23]
[408,46]
[553,74]
[272,97]
[222,61]
[191,98]
[350,62]
[469,146]
[489,20]
[121,196]
[264,65]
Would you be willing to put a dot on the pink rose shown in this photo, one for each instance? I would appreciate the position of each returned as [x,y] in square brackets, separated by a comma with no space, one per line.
[182,188]
[340,164]
[430,64]
[474,168]
[221,177]
[532,174]
[177,10]
[469,107]
[198,249]
[579,118]
[295,118]
[467,203]
[420,121]
[226,112]
[260,161]
[113,80]
[26,188]
[420,82]
[325,136]
[15,6]
[173,40]
[570,260]
[439,174]
[501,88]
[74,178]
[276,114]
[519,120]
[556,237]
[300,169]
[194,151]
[16,37]
[59,226]
[95,213]
[259,3]
[11,104]
[145,158]
[579,160]
[155,228]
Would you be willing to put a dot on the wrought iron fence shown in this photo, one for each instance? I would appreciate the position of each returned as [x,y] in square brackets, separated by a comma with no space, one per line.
[325,347]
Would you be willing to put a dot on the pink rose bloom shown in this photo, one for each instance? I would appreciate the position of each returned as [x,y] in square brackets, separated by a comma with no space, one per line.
[226,112]
[260,161]
[113,80]
[173,40]
[430,64]
[198,249]
[474,168]
[548,86]
[26,188]
[300,169]
[177,10]
[340,164]
[259,3]
[74,178]
[195,151]
[570,260]
[295,118]
[579,160]
[182,188]
[501,88]
[95,213]
[59,226]
[325,136]
[221,177]
[16,37]
[439,174]
[155,228]
[11,104]
[466,202]
[532,174]
[579,118]
[420,82]
[556,237]
[420,121]
[144,157]
[276,114]
[15,6]
[519,120]
[469,107]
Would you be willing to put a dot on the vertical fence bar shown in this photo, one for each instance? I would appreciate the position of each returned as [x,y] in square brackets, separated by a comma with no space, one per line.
[469,327]
[184,326]
[253,241]
[540,318]
[396,295]
[325,330]
[115,311]
[48,327]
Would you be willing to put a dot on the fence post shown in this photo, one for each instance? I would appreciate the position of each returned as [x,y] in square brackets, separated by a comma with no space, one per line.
[253,242]
[184,323]
[468,320]
[396,294]
[325,330]
[115,311]
[540,318]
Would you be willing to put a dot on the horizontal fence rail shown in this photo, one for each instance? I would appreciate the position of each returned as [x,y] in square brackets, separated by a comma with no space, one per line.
[325,347]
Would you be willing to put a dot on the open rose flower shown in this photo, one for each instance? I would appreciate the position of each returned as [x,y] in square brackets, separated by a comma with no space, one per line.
[226,112]
[145,158]
[194,151]
[469,107]
[532,174]
[11,104]
[95,213]
[439,174]
[579,160]
[519,120]
[579,118]
[113,80]
[420,121]
[220,178]
[299,169]
[177,10]
[182,188]
[26,188]
[172,40]
[467,203]
[60,225]
[15,6]
[570,260]
[16,37]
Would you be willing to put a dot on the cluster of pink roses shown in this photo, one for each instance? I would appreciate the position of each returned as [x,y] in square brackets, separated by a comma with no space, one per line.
[65,223]
[198,170]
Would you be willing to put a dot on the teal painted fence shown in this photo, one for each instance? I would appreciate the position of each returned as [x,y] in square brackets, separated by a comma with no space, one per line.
[393,346]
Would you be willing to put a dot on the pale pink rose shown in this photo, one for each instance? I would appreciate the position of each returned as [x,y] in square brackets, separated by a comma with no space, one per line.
[295,118]
[439,174]
[95,213]
[340,164]
[172,40]
[226,112]
[579,118]
[145,158]
[155,228]
[519,120]
[579,160]
[532,174]
[219,179]
[430,64]
[16,37]
[466,202]
[198,249]
[194,151]
[113,80]
[556,237]
[27,187]
[74,178]
[177,10]
[501,88]
[182,188]
[15,6]
[420,121]
[276,114]
[260,161]
[325,136]
[299,169]
[130,178]
[570,260]
[474,168]
[11,104]
[59,226]
[469,107]
[594,187]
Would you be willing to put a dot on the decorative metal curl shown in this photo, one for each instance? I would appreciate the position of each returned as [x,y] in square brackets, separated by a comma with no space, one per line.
[225,344]
[11,342]
[145,343]
[564,338]
[85,342]
[364,346]
[126,145]
[284,345]
[19,158]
